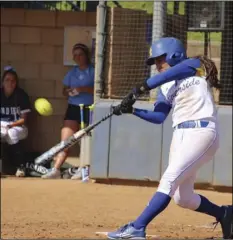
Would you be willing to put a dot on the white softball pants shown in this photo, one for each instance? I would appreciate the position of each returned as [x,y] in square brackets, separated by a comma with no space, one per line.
[190,149]
[14,134]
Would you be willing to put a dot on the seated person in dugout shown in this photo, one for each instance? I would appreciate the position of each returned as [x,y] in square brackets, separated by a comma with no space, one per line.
[15,106]
[78,88]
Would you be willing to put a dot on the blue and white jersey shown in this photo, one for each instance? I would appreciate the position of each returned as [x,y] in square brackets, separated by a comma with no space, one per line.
[184,88]
[190,98]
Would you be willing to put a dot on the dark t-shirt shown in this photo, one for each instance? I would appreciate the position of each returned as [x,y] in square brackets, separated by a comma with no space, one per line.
[15,105]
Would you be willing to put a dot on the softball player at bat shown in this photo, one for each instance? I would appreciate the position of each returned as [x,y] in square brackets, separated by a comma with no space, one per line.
[78,87]
[185,86]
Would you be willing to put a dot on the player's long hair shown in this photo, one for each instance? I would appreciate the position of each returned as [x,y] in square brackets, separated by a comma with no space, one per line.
[211,71]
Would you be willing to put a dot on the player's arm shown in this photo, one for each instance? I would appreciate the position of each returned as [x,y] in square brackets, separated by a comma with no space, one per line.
[66,90]
[20,122]
[187,68]
[66,85]
[161,110]
[85,89]
[158,116]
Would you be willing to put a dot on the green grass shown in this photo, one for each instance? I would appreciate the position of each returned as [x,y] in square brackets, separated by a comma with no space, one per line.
[146,6]
[198,36]
[64,6]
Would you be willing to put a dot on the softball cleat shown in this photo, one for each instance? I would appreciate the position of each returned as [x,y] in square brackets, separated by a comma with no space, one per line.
[128,232]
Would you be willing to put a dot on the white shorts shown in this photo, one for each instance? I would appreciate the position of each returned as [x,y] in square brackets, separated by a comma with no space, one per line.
[14,134]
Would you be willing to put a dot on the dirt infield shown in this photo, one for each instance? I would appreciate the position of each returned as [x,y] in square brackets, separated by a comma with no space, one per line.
[36,208]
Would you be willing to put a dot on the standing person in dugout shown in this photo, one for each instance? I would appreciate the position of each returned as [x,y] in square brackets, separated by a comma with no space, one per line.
[15,106]
[78,88]
[185,86]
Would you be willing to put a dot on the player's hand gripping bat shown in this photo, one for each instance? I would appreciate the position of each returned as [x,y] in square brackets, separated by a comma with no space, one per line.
[52,152]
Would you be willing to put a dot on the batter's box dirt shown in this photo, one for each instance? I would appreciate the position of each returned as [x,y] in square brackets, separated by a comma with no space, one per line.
[28,207]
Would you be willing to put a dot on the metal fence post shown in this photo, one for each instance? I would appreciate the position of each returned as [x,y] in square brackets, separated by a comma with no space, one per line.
[100,47]
[157,32]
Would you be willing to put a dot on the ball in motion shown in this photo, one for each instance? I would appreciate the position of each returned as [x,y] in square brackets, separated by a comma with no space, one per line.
[43,107]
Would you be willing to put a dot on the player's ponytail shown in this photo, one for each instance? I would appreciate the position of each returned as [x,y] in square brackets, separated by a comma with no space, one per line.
[211,71]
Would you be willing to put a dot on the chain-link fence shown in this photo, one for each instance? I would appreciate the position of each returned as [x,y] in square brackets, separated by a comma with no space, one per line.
[226,76]
[205,29]
[127,48]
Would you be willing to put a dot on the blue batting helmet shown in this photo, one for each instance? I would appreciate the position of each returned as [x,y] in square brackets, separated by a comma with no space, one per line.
[169,46]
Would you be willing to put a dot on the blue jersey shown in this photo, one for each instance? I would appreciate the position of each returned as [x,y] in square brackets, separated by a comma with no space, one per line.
[80,78]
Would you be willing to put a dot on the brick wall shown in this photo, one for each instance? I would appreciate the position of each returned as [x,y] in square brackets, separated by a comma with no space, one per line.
[32,42]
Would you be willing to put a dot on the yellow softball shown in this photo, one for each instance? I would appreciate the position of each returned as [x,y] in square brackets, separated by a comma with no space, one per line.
[43,107]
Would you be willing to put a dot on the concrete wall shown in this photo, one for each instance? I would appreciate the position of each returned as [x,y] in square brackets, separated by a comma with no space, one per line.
[32,42]
[127,147]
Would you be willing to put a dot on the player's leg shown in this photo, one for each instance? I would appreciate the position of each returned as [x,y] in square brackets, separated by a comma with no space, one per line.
[17,133]
[13,138]
[4,130]
[83,170]
[70,126]
[205,143]
[186,159]
[86,168]
[186,197]
[156,205]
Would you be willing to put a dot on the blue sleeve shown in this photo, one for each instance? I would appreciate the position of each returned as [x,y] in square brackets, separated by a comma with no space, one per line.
[161,111]
[180,71]
[66,80]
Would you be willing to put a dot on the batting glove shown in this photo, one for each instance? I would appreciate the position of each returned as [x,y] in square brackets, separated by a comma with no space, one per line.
[121,109]
[141,89]
[130,99]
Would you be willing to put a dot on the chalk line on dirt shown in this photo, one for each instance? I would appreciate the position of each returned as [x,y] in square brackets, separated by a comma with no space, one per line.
[106,233]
